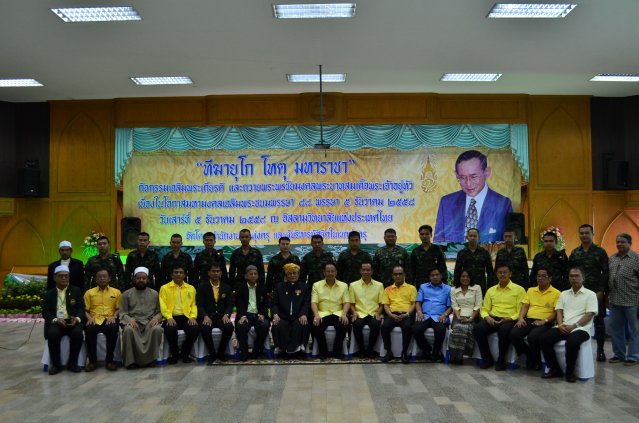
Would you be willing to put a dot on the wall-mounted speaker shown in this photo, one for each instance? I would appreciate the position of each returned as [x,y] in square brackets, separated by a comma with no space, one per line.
[616,174]
[130,227]
[517,222]
[28,182]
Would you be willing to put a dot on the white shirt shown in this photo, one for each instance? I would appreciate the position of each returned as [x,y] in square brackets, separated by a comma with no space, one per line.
[479,198]
[575,306]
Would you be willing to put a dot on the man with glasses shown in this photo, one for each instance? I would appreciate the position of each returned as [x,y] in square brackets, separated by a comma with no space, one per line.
[399,306]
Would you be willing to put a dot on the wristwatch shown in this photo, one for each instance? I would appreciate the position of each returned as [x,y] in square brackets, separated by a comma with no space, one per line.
[577,325]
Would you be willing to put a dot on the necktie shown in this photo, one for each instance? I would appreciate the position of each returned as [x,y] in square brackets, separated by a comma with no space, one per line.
[471,215]
[216,292]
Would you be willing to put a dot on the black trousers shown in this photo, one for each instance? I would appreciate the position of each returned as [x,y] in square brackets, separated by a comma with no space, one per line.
[387,327]
[289,334]
[600,327]
[358,327]
[261,332]
[55,333]
[481,331]
[573,343]
[207,335]
[319,333]
[171,333]
[419,329]
[532,349]
[110,331]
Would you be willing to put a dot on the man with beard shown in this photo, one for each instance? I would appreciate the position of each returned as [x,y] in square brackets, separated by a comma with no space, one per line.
[76,267]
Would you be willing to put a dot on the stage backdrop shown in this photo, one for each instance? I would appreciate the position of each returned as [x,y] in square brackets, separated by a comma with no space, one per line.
[298,193]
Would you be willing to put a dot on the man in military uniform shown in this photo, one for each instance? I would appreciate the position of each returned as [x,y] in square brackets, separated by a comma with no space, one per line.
[515,257]
[205,258]
[349,262]
[176,258]
[594,261]
[243,257]
[389,256]
[477,261]
[277,262]
[553,260]
[110,262]
[313,263]
[427,257]
[144,257]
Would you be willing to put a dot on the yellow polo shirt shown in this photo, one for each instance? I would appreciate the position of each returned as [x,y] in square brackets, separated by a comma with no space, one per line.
[102,304]
[541,305]
[330,300]
[399,299]
[366,297]
[168,294]
[503,302]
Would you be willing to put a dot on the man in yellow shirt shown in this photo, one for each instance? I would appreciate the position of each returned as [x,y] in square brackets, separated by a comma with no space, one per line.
[399,305]
[101,309]
[536,316]
[366,305]
[330,302]
[499,313]
[178,308]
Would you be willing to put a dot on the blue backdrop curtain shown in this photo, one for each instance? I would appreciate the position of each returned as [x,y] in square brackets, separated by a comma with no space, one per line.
[345,137]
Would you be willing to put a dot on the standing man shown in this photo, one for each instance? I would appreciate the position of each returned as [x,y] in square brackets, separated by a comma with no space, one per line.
[399,305]
[143,256]
[205,258]
[76,267]
[105,260]
[252,311]
[474,206]
[389,256]
[594,262]
[140,318]
[476,260]
[427,257]
[515,257]
[176,258]
[350,260]
[243,257]
[433,308]
[312,267]
[276,264]
[624,301]
[366,297]
[553,260]
[101,305]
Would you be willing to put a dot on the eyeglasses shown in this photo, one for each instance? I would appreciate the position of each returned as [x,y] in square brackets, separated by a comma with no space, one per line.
[542,276]
[471,178]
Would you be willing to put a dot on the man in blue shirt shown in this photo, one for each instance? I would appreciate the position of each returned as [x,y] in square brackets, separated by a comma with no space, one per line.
[433,308]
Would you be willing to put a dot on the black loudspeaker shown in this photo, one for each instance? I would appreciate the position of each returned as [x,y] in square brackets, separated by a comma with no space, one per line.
[28,182]
[131,227]
[517,222]
[617,174]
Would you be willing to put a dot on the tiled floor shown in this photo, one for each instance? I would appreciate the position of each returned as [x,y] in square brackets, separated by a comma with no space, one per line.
[303,393]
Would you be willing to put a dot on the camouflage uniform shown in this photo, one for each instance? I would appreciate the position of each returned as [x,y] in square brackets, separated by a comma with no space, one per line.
[422,261]
[183,260]
[113,265]
[151,261]
[480,266]
[349,265]
[239,261]
[276,270]
[385,259]
[518,263]
[202,265]
[313,266]
[557,264]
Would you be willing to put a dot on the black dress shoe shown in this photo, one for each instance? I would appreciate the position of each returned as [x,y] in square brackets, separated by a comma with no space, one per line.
[222,357]
[244,356]
[552,374]
[601,357]
[405,359]
[187,360]
[388,357]
[486,364]
[500,367]
[172,360]
[53,370]
[571,378]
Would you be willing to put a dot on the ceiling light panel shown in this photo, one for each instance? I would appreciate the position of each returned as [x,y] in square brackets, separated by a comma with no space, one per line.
[314,11]
[615,77]
[24,82]
[161,80]
[310,77]
[97,14]
[530,10]
[470,77]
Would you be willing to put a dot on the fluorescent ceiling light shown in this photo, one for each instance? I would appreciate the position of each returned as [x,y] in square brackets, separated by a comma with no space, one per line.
[97,14]
[530,10]
[314,11]
[470,77]
[161,80]
[26,82]
[615,77]
[314,77]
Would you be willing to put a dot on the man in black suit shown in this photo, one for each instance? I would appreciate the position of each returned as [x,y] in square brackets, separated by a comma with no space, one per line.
[76,267]
[63,313]
[252,308]
[214,307]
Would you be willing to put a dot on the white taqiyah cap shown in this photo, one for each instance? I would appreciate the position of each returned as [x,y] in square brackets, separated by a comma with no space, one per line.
[141,269]
[61,268]
[65,244]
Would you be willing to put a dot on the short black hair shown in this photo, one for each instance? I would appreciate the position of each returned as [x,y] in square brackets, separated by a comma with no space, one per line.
[283,238]
[587,225]
[317,236]
[472,154]
[352,234]
[427,227]
[390,231]
[208,234]
[470,276]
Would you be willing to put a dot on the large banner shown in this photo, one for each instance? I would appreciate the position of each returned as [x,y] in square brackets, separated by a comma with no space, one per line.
[278,193]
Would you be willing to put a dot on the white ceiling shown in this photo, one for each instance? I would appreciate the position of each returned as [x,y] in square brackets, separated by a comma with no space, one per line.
[237,47]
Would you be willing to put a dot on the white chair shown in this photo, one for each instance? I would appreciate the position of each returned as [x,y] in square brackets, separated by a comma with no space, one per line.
[268,350]
[165,351]
[202,350]
[366,333]
[396,344]
[430,337]
[493,343]
[585,366]
[330,340]
[101,349]
[64,354]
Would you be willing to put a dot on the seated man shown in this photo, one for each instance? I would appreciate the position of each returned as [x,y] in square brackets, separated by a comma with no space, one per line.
[289,310]
[330,302]
[177,305]
[63,311]
[252,309]
[576,309]
[366,307]
[399,305]
[433,308]
[101,304]
[536,316]
[140,316]
[214,308]
[499,312]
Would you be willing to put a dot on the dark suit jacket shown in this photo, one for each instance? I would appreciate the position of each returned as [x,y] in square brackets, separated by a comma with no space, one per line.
[242,300]
[75,305]
[206,304]
[299,294]
[451,217]
[76,274]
